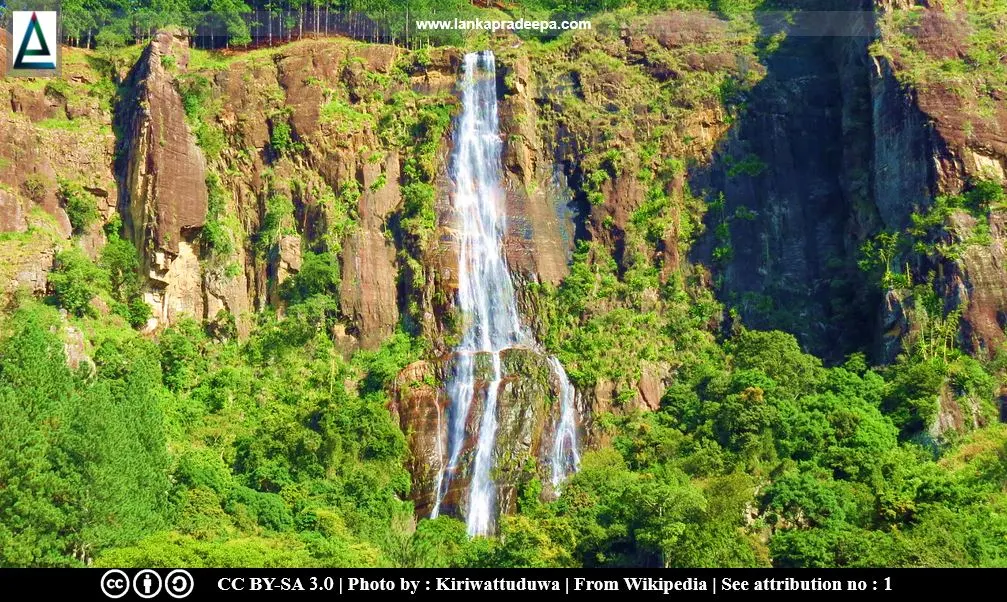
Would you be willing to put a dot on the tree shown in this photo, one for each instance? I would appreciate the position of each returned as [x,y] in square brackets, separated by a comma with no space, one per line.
[82,462]
[231,15]
[76,280]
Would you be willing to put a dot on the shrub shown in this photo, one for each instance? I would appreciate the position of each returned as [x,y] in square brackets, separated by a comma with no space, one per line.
[35,187]
[121,263]
[281,138]
[197,100]
[59,88]
[215,236]
[319,275]
[76,280]
[985,194]
[267,508]
[139,312]
[80,205]
[276,222]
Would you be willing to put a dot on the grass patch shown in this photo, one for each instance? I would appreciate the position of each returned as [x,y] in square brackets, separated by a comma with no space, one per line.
[977,77]
[61,123]
[343,116]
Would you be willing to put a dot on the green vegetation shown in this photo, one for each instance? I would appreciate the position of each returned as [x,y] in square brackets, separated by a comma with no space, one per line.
[416,125]
[282,454]
[972,25]
[281,138]
[215,236]
[83,454]
[277,223]
[200,109]
[80,205]
[76,280]
[112,24]
[343,116]
[120,261]
[945,230]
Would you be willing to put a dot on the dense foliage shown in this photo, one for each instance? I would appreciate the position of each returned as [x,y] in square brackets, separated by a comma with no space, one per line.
[280,452]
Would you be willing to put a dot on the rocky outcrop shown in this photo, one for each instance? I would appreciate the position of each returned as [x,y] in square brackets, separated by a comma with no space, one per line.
[904,140]
[928,142]
[163,175]
[4,46]
[420,405]
[33,159]
[45,139]
[368,294]
[539,239]
[164,169]
[36,104]
[12,214]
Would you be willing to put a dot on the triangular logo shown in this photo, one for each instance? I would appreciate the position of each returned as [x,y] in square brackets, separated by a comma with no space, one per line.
[33,29]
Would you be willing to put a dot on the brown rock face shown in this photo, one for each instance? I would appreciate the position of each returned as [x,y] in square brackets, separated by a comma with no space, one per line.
[12,218]
[4,46]
[368,288]
[930,141]
[368,293]
[164,171]
[32,159]
[978,283]
[164,191]
[538,241]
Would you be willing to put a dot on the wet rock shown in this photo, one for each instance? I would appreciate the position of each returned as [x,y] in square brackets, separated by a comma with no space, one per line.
[527,414]
[537,243]
[420,407]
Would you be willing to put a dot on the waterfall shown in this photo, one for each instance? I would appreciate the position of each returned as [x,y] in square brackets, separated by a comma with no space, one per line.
[485,296]
[565,456]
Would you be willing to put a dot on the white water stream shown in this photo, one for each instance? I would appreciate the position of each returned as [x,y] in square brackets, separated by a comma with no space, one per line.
[486,299]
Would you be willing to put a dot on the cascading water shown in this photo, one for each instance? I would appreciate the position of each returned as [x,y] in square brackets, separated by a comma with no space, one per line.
[486,298]
[565,457]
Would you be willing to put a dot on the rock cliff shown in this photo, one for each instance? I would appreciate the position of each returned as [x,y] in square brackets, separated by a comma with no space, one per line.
[163,172]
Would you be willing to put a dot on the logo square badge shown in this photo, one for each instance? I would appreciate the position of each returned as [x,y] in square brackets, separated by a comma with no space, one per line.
[35,43]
